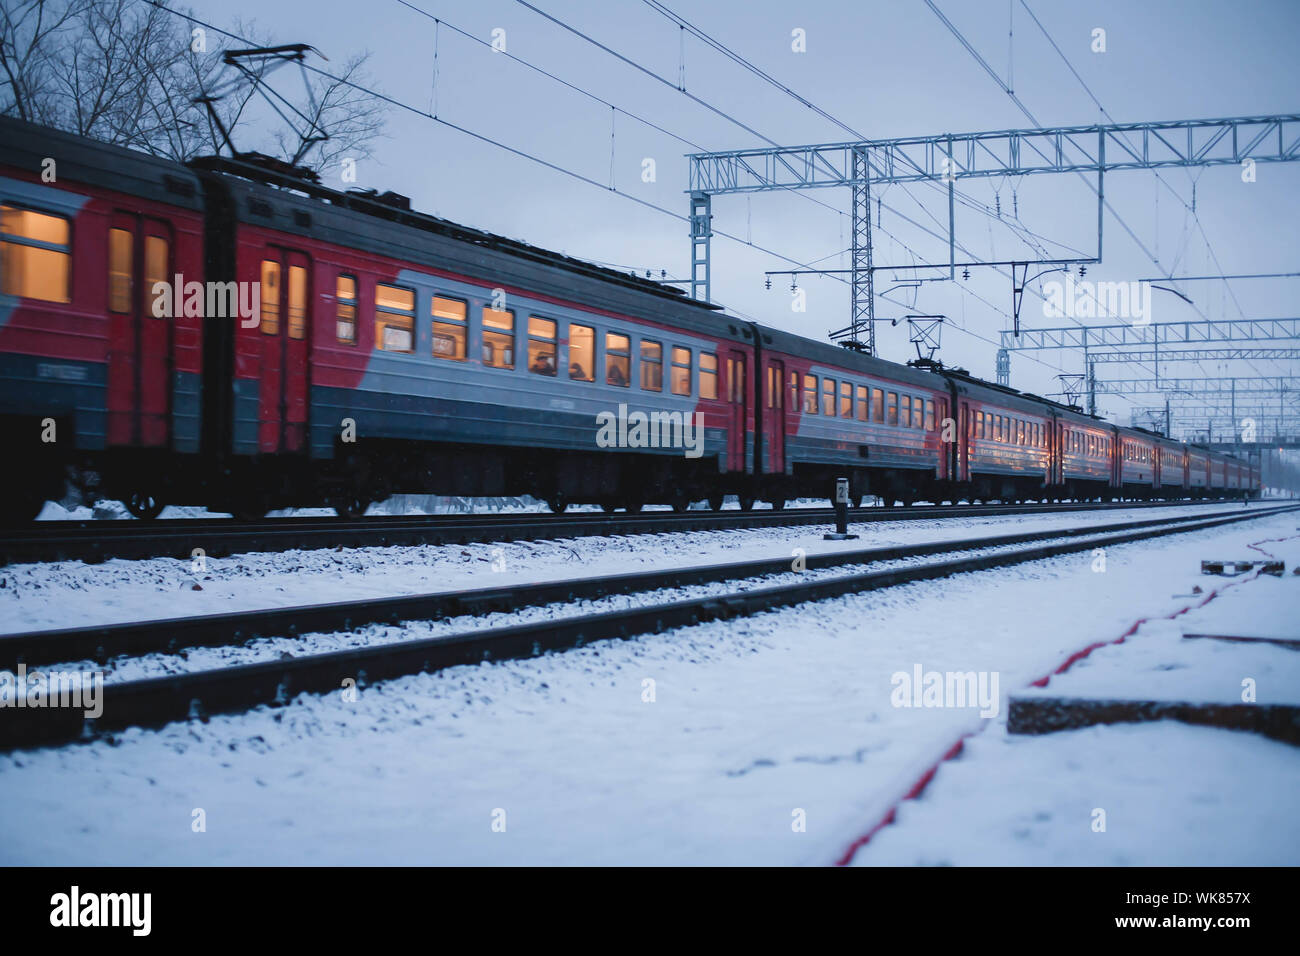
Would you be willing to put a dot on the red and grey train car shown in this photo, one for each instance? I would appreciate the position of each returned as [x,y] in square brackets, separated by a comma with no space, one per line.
[224,334]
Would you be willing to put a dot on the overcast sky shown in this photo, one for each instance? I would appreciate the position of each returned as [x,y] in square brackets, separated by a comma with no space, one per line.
[885,69]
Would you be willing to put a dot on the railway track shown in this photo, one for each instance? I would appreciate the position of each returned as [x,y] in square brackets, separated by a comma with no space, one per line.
[197,695]
[97,541]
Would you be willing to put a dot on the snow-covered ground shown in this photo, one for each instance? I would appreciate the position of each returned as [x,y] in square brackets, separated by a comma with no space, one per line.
[1172,794]
[771,739]
[72,593]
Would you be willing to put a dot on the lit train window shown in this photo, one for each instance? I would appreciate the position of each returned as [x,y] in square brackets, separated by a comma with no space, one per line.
[1020,432]
[681,373]
[120,271]
[810,394]
[708,375]
[929,415]
[877,405]
[498,338]
[652,366]
[905,411]
[541,346]
[394,318]
[156,262]
[793,401]
[864,405]
[828,396]
[35,255]
[297,299]
[618,359]
[736,381]
[978,420]
[891,408]
[345,309]
[270,297]
[846,400]
[582,353]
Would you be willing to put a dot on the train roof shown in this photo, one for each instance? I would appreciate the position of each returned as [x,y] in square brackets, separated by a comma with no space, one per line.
[81,160]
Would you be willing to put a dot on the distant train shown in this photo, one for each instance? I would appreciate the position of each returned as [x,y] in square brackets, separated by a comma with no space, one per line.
[226,334]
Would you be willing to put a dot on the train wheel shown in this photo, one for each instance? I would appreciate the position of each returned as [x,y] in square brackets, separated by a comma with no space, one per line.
[746,502]
[144,505]
[350,504]
[609,507]
[557,503]
[715,501]
[633,505]
[778,503]
[679,501]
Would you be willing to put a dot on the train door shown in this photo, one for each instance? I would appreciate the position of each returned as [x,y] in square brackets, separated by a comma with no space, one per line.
[140,335]
[775,418]
[738,398]
[284,338]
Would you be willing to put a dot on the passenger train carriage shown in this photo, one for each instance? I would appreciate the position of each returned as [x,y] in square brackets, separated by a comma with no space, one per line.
[226,334]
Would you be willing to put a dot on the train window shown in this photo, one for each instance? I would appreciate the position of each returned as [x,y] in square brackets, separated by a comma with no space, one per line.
[793,402]
[499,338]
[810,394]
[828,396]
[541,345]
[270,297]
[891,408]
[652,366]
[618,359]
[846,400]
[35,255]
[450,328]
[1020,432]
[774,387]
[977,425]
[877,405]
[120,271]
[394,318]
[863,403]
[929,415]
[297,300]
[582,353]
[905,411]
[708,375]
[345,309]
[681,374]
[736,381]
[156,271]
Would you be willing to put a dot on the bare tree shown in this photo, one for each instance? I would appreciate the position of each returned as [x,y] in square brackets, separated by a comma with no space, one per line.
[131,73]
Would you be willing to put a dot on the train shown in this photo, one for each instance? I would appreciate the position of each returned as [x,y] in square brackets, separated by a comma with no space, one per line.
[230,333]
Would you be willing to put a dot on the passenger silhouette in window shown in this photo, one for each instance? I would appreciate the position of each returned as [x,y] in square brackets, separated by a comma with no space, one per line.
[576,371]
[616,376]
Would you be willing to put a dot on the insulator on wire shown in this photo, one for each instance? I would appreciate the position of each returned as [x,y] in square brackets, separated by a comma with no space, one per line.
[965,273]
[767,283]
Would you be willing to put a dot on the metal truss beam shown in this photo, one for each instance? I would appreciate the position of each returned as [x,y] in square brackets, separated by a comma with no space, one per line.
[1149,356]
[1155,333]
[1015,152]
[1199,386]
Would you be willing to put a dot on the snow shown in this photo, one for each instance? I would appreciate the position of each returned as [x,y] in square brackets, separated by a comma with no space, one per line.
[73,594]
[752,721]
